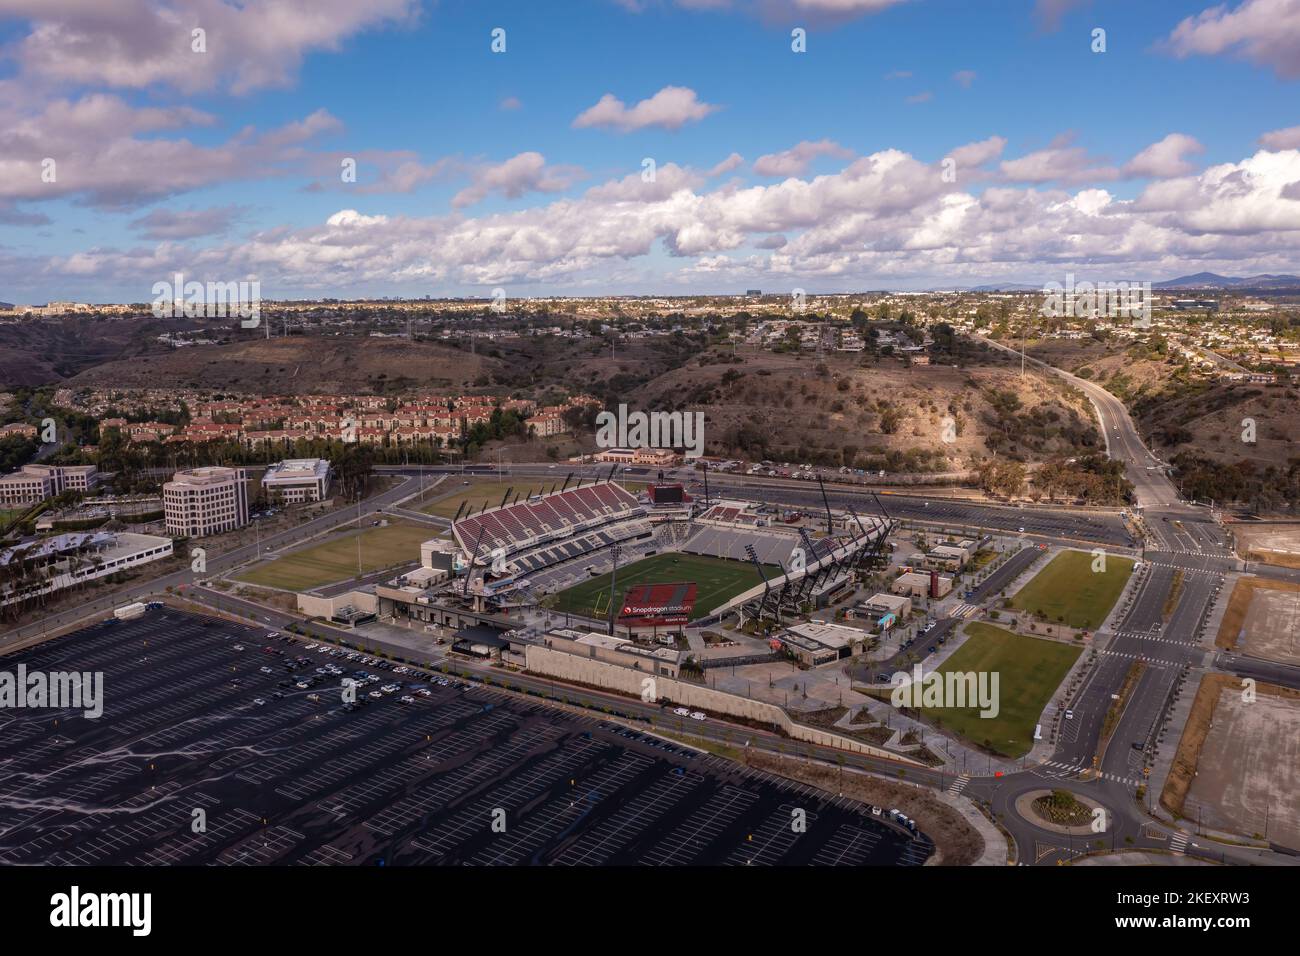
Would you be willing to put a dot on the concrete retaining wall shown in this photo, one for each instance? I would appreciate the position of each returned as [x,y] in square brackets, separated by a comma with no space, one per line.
[595,673]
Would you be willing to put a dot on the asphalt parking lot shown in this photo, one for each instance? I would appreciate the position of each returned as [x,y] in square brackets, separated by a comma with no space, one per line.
[186,767]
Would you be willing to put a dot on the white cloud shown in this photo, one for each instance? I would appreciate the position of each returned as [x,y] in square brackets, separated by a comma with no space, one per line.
[1050,13]
[884,218]
[670,108]
[518,175]
[348,218]
[1264,32]
[727,165]
[1164,159]
[187,223]
[965,78]
[796,160]
[1059,162]
[977,154]
[134,44]
[102,159]
[1288,138]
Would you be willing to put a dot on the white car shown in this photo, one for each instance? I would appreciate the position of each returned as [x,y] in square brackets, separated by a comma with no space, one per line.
[258,701]
[407,699]
[312,647]
[376,694]
[681,712]
[238,647]
[1069,715]
[697,715]
[266,670]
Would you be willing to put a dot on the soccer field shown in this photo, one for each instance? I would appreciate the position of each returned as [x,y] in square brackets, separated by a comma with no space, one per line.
[1067,591]
[1029,670]
[336,558]
[717,581]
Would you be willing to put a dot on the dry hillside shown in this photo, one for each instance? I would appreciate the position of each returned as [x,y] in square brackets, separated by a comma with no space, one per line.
[300,364]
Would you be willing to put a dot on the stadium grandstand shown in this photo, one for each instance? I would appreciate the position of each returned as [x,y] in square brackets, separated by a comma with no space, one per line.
[525,537]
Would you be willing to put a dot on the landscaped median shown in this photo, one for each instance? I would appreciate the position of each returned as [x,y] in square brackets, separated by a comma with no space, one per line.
[1068,591]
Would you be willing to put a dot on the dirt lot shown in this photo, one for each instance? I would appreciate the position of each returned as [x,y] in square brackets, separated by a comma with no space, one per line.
[1276,544]
[1238,763]
[1249,769]
[1262,620]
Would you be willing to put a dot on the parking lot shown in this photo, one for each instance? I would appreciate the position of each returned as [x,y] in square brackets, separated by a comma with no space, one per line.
[208,752]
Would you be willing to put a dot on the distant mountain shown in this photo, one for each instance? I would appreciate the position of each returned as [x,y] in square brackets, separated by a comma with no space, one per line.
[1008,287]
[1211,280]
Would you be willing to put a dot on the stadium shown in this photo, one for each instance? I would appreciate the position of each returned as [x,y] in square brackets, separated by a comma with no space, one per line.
[594,550]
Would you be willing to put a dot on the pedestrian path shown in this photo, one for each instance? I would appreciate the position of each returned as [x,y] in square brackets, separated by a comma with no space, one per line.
[958,785]
[964,610]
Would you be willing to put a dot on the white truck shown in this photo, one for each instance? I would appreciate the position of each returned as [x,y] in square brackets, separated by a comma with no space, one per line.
[128,611]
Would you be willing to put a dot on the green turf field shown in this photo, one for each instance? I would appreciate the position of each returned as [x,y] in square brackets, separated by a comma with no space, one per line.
[1067,591]
[491,492]
[717,581]
[1029,668]
[335,559]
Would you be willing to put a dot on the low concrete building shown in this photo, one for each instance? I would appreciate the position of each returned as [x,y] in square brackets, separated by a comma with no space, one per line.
[52,564]
[614,650]
[654,457]
[920,585]
[843,641]
[297,480]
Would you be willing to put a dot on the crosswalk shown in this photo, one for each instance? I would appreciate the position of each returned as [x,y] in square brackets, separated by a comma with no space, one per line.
[1178,843]
[1138,635]
[1145,659]
[964,610]
[1062,770]
[958,785]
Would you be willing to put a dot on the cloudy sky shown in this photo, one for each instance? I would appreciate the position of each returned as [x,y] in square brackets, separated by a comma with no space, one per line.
[641,146]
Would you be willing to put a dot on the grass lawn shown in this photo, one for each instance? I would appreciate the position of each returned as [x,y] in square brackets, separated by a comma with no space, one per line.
[335,559]
[491,492]
[1029,668]
[1067,591]
[718,580]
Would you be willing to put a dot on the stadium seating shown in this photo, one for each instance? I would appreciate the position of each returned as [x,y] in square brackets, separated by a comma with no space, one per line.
[527,524]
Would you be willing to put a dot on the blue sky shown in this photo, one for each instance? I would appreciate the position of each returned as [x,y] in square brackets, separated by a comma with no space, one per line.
[225,164]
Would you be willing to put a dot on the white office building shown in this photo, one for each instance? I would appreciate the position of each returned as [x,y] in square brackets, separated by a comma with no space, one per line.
[297,480]
[33,483]
[203,501]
